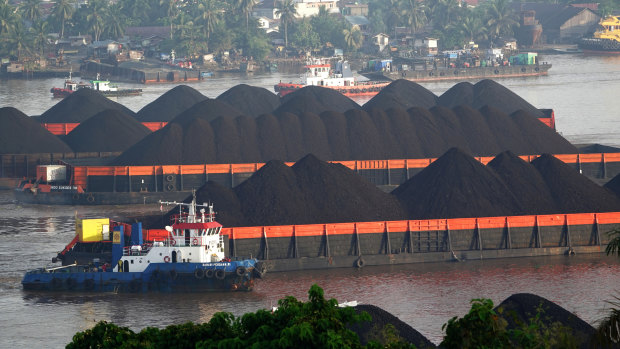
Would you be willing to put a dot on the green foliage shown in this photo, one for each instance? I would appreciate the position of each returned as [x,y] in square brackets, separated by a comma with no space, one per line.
[318,323]
[482,327]
[304,37]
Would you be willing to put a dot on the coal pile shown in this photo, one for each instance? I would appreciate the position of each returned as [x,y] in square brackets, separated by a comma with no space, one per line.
[493,94]
[571,191]
[520,307]
[456,186]
[614,185]
[335,193]
[170,104]
[526,182]
[380,318]
[20,134]
[207,110]
[540,136]
[79,106]
[478,134]
[315,99]
[402,94]
[597,148]
[107,131]
[250,100]
[460,94]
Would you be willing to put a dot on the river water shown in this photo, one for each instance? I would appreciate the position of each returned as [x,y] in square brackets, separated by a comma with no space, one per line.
[582,90]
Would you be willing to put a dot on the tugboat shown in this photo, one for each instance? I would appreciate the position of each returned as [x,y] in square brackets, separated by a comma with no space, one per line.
[319,73]
[190,258]
[606,40]
[103,86]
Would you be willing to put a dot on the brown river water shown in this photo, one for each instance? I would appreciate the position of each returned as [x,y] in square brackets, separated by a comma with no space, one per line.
[582,90]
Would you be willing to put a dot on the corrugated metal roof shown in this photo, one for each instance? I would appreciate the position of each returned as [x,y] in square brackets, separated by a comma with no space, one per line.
[357,20]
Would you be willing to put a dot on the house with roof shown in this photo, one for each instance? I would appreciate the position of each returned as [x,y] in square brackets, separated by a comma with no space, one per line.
[309,8]
[381,40]
[560,23]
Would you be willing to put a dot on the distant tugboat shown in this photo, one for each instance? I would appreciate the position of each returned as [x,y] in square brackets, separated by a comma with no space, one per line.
[102,86]
[319,72]
[606,40]
[190,258]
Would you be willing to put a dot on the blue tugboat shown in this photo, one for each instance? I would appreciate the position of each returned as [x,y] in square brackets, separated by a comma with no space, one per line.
[190,259]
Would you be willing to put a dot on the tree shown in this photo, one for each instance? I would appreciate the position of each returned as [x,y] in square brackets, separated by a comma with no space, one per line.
[245,7]
[40,30]
[31,10]
[471,26]
[114,22]
[286,11]
[208,15]
[501,18]
[95,16]
[353,37]
[444,12]
[171,11]
[414,12]
[63,10]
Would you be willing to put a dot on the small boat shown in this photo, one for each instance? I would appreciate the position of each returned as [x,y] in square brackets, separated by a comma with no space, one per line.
[319,72]
[102,86]
[567,50]
[188,257]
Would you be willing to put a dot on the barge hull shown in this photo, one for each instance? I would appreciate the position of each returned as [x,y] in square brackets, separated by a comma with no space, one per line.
[451,74]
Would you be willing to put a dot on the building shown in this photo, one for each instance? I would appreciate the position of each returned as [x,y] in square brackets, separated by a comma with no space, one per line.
[560,23]
[309,8]
[381,40]
[355,9]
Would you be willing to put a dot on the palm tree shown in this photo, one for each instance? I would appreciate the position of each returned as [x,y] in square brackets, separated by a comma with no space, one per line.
[63,10]
[8,17]
[171,11]
[501,18]
[286,11]
[31,10]
[209,12]
[414,12]
[353,37]
[444,12]
[19,40]
[472,27]
[245,7]
[114,19]
[40,29]
[96,14]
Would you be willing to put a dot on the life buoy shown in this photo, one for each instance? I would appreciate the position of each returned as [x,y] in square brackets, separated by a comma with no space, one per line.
[169,178]
[210,273]
[199,273]
[195,241]
[167,258]
[360,262]
[90,198]
[220,274]
[240,271]
[173,242]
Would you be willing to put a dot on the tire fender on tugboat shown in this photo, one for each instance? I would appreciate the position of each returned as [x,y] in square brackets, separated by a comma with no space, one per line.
[360,262]
[220,274]
[199,273]
[240,271]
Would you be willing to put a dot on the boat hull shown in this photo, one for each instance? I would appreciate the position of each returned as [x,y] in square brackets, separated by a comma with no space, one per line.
[158,277]
[368,89]
[97,198]
[450,74]
[600,46]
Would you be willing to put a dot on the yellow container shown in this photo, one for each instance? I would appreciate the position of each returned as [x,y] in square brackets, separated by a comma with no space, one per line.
[92,230]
